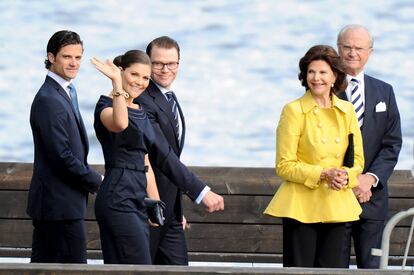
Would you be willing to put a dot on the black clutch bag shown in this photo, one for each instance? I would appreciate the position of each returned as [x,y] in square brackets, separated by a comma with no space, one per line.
[349,153]
[155,210]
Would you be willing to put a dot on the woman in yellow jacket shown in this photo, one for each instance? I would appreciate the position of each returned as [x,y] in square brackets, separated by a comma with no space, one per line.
[316,198]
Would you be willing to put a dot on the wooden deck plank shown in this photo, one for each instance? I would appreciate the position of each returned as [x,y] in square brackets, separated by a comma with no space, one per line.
[246,209]
[80,269]
[224,180]
[201,237]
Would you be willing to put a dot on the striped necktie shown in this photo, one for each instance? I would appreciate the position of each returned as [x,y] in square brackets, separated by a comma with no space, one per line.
[173,103]
[356,99]
[74,100]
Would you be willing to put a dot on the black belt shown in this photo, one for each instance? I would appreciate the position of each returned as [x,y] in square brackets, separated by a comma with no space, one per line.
[130,166]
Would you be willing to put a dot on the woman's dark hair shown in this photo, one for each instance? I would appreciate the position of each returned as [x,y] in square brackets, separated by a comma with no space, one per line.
[164,42]
[330,56]
[59,40]
[131,57]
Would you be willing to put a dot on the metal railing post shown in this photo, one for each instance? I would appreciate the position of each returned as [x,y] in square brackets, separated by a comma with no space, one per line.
[385,244]
[407,245]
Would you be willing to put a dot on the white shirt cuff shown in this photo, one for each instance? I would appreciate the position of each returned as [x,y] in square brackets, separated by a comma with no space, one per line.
[202,194]
[376,179]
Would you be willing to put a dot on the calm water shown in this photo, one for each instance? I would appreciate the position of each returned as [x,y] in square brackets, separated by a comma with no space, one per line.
[238,67]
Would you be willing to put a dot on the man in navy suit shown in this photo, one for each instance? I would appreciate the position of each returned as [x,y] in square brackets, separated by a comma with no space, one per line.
[381,133]
[61,177]
[168,244]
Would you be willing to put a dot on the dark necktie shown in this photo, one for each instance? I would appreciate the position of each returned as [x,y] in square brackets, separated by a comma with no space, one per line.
[356,100]
[74,100]
[173,103]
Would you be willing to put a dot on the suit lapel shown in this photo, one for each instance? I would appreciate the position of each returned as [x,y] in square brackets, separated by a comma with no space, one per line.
[182,122]
[342,95]
[160,100]
[60,90]
[83,134]
[80,124]
[162,103]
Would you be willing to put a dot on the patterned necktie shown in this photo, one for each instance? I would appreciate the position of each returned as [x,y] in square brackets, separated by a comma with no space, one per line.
[173,103]
[356,100]
[74,100]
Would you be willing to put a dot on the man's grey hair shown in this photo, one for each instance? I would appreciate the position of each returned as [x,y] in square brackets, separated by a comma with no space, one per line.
[354,27]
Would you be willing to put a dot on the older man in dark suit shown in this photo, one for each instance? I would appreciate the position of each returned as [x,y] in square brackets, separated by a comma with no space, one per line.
[168,245]
[379,119]
[61,178]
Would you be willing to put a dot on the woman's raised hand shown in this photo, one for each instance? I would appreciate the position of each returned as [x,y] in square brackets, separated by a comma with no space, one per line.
[108,68]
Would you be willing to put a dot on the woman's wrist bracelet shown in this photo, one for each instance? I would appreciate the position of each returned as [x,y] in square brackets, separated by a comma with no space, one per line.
[118,93]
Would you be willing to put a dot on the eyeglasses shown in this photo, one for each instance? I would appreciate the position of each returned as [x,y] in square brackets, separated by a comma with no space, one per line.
[160,65]
[348,49]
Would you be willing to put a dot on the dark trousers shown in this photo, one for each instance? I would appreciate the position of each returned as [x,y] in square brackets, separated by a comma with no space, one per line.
[59,241]
[314,244]
[168,244]
[367,234]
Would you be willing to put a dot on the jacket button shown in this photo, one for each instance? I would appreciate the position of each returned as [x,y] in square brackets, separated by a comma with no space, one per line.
[315,111]
[338,156]
[324,140]
[337,140]
[319,125]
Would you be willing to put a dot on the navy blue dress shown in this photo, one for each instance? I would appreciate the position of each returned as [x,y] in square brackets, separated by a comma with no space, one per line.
[119,206]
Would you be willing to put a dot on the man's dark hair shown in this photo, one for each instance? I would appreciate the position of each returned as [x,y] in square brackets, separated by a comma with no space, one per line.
[59,40]
[163,42]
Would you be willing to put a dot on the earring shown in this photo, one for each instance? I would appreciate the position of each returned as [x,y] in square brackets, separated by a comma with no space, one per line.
[332,85]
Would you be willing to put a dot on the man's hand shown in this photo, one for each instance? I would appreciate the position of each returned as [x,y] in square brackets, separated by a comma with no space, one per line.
[363,190]
[185,224]
[152,224]
[364,197]
[213,202]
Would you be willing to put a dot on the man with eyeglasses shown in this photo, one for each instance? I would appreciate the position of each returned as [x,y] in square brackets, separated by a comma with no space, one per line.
[377,111]
[168,244]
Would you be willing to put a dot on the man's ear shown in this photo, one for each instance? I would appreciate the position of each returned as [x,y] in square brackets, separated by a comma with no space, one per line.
[51,57]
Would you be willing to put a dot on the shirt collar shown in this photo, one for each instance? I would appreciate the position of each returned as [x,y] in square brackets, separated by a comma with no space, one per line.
[60,80]
[162,89]
[359,77]
[308,102]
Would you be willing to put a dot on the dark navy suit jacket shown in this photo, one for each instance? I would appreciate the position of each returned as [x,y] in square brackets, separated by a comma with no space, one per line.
[381,134]
[61,177]
[159,112]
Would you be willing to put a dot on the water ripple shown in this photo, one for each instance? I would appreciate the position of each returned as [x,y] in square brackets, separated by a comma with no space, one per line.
[238,67]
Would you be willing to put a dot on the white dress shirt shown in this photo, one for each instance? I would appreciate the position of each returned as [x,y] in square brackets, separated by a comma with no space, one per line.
[361,88]
[61,81]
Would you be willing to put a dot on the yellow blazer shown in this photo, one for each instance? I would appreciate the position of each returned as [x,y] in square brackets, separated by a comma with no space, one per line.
[309,139]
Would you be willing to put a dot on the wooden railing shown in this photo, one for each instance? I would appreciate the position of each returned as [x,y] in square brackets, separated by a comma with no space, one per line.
[241,233]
